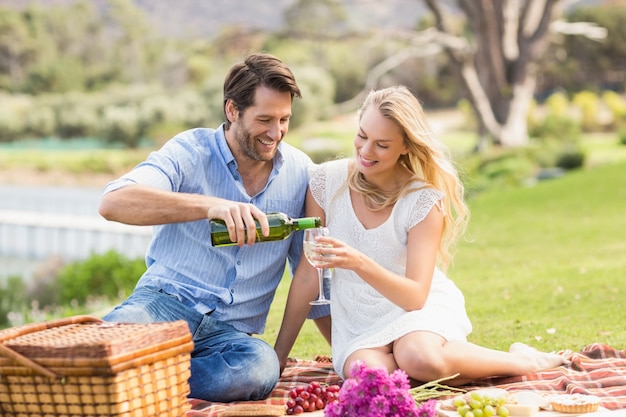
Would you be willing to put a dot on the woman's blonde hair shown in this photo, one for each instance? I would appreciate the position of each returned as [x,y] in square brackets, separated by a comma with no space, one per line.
[428,159]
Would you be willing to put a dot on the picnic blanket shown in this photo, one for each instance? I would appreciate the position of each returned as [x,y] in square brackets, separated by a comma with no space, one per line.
[296,373]
[597,369]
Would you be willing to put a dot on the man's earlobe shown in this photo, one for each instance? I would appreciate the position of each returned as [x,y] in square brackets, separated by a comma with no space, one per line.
[231,111]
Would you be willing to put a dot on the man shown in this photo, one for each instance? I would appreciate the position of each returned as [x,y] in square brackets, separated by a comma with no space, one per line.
[236,173]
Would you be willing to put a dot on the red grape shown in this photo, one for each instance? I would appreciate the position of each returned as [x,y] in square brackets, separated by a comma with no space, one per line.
[311,397]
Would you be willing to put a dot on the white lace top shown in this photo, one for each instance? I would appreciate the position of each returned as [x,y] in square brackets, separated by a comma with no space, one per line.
[361,316]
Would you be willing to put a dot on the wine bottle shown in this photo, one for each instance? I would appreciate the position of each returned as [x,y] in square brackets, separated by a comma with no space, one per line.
[281,226]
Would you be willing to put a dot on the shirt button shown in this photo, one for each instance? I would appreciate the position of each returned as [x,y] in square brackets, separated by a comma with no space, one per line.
[238,262]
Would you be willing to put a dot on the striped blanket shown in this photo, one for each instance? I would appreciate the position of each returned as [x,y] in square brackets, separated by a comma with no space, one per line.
[597,369]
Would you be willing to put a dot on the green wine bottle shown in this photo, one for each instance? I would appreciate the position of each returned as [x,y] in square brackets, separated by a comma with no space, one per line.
[281,226]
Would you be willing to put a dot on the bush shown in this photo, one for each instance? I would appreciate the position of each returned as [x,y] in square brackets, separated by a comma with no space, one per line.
[554,153]
[588,104]
[12,114]
[558,104]
[616,105]
[318,91]
[469,115]
[12,297]
[621,135]
[9,125]
[501,169]
[41,122]
[348,78]
[511,169]
[121,124]
[554,127]
[571,156]
[76,120]
[110,275]
[195,111]
[81,287]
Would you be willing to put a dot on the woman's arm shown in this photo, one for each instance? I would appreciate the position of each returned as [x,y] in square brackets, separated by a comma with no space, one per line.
[408,292]
[304,289]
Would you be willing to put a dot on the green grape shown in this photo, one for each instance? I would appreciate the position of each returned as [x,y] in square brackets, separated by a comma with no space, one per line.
[458,401]
[475,404]
[463,410]
[478,404]
[476,396]
[502,411]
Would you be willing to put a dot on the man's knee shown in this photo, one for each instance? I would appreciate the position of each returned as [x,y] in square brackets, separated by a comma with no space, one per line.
[249,370]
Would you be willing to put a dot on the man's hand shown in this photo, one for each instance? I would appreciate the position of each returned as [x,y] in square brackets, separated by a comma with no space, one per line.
[238,218]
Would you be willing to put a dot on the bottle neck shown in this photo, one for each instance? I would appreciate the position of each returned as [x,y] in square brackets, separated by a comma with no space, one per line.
[307,223]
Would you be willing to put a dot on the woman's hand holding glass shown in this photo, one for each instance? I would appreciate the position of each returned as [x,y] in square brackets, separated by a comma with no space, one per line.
[313,257]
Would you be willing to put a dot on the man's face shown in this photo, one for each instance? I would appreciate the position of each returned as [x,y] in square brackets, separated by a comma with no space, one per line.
[258,130]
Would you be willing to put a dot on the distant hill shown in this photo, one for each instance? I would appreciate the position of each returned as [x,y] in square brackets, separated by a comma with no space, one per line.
[205,18]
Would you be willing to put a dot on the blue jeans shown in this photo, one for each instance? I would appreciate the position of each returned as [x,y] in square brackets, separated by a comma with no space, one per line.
[226,364]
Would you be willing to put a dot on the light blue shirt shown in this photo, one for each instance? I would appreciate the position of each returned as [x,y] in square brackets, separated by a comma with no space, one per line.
[236,284]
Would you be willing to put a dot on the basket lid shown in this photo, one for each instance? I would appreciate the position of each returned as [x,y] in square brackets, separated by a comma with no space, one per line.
[97,340]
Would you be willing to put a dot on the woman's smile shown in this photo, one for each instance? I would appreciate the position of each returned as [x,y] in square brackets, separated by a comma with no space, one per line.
[366,162]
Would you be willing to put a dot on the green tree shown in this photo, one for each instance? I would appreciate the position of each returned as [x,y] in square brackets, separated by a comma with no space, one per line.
[77,47]
[315,19]
[133,53]
[67,45]
[496,50]
[598,64]
[16,49]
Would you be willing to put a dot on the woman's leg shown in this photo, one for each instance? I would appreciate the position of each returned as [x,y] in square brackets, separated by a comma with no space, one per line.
[425,356]
[379,357]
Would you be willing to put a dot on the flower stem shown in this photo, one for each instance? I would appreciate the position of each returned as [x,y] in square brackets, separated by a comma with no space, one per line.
[434,389]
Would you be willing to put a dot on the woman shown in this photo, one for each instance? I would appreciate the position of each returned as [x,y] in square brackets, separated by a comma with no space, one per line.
[394,211]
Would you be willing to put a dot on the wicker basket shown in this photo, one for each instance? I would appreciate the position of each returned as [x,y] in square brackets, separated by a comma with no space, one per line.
[83,367]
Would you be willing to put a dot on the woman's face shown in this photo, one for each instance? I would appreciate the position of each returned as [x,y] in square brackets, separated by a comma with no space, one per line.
[379,142]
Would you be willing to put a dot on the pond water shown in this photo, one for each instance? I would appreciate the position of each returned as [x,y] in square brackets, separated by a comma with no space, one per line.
[41,224]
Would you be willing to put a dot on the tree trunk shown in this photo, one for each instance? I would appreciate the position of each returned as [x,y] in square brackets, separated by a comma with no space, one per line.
[499,69]
[496,50]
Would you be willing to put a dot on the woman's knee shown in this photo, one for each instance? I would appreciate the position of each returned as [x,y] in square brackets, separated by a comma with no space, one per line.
[373,358]
[422,366]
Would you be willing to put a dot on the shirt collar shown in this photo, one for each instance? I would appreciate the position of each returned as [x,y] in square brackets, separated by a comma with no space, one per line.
[222,146]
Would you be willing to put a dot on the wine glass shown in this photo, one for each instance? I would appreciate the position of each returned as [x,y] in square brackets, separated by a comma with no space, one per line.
[309,243]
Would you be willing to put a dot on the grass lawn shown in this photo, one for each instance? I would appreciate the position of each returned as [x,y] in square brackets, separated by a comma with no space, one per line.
[545,265]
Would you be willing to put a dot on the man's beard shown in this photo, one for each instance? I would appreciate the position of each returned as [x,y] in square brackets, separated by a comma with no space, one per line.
[247,145]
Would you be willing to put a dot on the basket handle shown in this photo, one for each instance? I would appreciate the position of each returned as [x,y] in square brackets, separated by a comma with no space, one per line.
[36,327]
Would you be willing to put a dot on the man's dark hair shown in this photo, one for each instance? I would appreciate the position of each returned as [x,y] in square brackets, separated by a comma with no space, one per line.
[257,70]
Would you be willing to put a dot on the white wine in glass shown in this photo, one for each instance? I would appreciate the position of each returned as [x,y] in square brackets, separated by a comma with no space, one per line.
[309,244]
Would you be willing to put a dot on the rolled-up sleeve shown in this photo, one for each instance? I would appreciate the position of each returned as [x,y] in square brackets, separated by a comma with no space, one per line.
[143,174]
